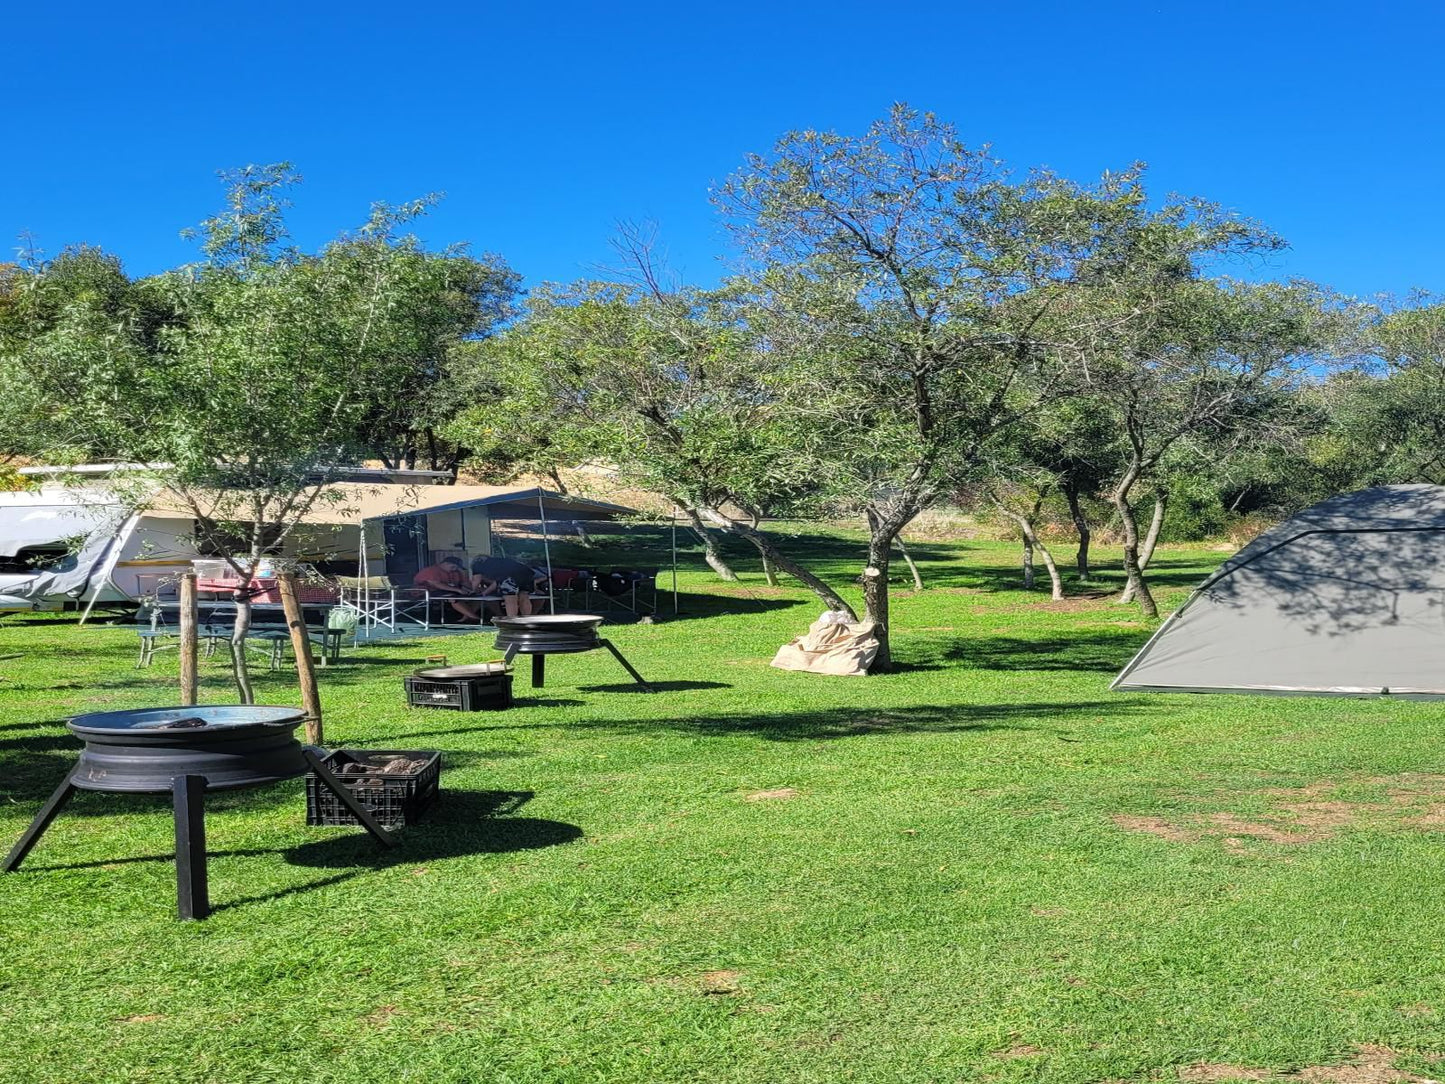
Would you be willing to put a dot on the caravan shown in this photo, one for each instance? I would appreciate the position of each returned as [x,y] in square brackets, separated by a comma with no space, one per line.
[81,544]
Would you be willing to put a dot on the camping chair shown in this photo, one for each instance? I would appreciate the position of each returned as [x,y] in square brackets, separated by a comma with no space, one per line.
[374,600]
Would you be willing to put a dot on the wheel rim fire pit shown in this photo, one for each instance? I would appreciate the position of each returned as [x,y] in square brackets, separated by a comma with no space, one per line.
[541,635]
[185,751]
[140,752]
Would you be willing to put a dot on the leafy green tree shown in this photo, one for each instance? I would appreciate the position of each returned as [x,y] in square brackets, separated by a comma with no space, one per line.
[908,305]
[1198,367]
[1387,412]
[270,372]
[664,386]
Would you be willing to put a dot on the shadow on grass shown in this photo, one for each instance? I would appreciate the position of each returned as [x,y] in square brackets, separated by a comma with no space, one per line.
[835,723]
[462,823]
[1099,653]
[658,686]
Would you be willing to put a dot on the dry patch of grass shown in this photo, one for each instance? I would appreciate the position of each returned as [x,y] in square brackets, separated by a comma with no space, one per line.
[1020,1050]
[1306,814]
[1370,1065]
[776,794]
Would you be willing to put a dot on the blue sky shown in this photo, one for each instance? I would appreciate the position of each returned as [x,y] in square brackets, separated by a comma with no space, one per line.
[546,124]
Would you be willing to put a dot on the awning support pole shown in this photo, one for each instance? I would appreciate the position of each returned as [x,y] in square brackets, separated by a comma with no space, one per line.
[547,552]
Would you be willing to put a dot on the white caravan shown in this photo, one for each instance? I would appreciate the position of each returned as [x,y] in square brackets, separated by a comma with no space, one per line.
[62,544]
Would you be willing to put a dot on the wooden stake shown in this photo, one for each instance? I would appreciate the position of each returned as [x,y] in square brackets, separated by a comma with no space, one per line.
[305,663]
[190,683]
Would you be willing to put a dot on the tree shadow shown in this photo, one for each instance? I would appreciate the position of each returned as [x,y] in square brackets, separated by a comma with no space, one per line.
[1096,653]
[657,686]
[820,725]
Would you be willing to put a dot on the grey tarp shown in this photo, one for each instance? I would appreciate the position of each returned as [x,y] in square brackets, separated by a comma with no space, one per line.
[1346,598]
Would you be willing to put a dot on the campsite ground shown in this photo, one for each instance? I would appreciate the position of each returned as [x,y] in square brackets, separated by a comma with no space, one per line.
[984,867]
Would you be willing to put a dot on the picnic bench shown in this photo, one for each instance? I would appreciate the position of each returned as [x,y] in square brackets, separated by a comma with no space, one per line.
[269,634]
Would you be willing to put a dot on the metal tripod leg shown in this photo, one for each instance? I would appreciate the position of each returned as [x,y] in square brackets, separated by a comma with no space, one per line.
[315,758]
[610,646]
[37,827]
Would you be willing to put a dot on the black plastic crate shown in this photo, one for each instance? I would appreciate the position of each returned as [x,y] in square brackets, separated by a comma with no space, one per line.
[490,692]
[393,798]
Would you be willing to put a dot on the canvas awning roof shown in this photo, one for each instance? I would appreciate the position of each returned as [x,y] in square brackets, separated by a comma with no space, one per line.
[345,504]
[1346,599]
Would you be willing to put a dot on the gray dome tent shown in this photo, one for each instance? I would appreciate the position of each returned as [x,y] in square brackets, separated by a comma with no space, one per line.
[1344,599]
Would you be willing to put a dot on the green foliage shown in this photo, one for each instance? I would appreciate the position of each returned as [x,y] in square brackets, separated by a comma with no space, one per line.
[254,375]
[661,385]
[1387,415]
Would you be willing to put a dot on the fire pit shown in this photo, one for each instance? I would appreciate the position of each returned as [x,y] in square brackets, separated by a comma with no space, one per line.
[140,752]
[555,634]
[185,751]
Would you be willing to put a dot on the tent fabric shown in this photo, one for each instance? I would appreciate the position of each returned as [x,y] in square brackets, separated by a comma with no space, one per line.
[1346,598]
[834,645]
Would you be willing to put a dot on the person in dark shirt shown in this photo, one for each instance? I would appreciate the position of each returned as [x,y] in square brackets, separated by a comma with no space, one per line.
[513,580]
[448,577]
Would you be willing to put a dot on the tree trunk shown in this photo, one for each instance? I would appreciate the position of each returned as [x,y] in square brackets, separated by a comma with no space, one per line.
[1033,543]
[1056,582]
[1156,523]
[711,554]
[769,572]
[875,590]
[769,549]
[1135,587]
[908,560]
[305,663]
[239,666]
[1151,539]
[583,537]
[1081,524]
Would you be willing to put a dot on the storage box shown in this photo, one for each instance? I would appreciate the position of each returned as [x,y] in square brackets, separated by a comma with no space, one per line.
[461,688]
[393,798]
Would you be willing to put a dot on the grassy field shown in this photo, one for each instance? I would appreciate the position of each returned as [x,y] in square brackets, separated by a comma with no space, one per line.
[982,868]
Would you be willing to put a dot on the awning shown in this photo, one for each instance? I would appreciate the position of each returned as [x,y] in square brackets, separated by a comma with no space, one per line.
[345,504]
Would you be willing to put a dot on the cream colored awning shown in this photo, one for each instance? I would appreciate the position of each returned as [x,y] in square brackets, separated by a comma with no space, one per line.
[347,504]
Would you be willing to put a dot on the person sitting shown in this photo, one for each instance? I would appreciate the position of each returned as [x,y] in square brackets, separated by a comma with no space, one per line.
[448,577]
[513,580]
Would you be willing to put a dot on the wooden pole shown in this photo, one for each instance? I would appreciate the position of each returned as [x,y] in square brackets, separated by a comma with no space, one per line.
[190,683]
[305,664]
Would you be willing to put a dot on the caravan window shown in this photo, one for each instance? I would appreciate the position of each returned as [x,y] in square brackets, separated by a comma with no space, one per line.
[55,557]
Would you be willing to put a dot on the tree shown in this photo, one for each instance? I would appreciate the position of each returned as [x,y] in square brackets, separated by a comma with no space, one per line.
[1197,364]
[1387,412]
[661,384]
[906,303]
[271,371]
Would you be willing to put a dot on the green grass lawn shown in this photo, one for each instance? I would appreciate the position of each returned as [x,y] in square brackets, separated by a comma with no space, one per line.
[983,867]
